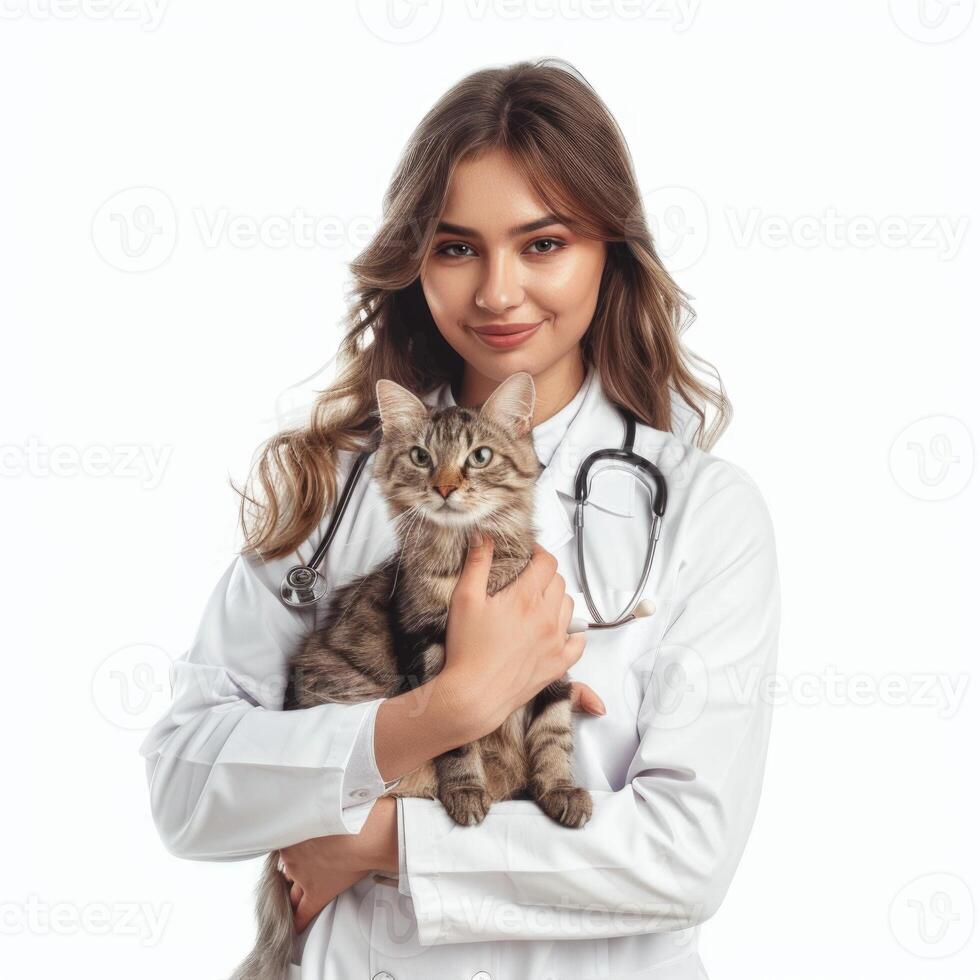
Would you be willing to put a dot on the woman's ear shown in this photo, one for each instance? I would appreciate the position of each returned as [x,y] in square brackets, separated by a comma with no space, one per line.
[511,405]
[399,409]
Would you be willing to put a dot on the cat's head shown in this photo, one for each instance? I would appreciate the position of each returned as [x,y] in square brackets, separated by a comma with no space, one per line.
[456,467]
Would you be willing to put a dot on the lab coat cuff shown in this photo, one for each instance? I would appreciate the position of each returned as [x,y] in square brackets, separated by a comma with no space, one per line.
[456,879]
[415,852]
[362,782]
[335,804]
[402,866]
[459,880]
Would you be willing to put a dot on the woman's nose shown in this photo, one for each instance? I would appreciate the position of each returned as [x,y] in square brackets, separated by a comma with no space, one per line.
[501,287]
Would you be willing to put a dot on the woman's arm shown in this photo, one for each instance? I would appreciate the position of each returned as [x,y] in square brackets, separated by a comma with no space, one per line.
[415,727]
[321,868]
[660,853]
[232,776]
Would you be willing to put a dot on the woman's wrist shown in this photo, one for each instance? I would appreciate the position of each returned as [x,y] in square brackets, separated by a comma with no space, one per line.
[377,842]
[414,727]
[464,702]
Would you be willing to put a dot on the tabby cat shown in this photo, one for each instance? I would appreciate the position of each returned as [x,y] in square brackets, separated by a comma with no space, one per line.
[443,472]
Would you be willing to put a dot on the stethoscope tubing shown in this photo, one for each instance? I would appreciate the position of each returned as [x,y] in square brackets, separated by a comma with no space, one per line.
[304,585]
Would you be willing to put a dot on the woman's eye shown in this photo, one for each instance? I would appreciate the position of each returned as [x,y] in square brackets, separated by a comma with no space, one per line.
[554,245]
[445,250]
[481,456]
[419,456]
[547,241]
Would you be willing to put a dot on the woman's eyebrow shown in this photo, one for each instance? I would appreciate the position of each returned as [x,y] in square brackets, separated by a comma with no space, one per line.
[548,219]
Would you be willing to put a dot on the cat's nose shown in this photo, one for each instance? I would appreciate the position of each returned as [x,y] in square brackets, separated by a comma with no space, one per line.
[446,489]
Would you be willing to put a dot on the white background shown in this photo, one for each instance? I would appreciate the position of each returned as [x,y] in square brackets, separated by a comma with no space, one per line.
[808,167]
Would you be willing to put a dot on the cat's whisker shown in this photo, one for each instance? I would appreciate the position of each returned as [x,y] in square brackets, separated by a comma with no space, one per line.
[416,526]
[406,516]
[414,517]
[496,524]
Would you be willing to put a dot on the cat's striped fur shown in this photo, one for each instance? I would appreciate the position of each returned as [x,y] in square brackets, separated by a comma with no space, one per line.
[384,631]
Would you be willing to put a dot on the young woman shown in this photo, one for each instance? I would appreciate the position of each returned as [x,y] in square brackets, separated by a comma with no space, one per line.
[514,210]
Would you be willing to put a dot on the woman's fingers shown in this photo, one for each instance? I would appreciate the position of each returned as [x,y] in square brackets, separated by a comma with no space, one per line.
[585,699]
[302,913]
[302,916]
[476,568]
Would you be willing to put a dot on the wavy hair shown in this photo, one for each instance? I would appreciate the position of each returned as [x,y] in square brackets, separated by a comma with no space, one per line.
[567,145]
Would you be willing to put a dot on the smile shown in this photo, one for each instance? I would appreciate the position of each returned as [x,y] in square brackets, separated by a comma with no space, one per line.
[506,341]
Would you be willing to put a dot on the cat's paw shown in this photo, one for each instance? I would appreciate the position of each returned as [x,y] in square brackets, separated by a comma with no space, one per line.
[570,806]
[467,807]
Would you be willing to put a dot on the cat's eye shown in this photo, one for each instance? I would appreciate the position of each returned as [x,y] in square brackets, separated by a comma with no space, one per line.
[480,456]
[419,456]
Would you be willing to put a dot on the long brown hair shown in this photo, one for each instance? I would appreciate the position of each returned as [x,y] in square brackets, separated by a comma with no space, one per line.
[569,148]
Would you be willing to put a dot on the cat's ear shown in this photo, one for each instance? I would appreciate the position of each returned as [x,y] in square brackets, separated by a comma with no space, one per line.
[511,406]
[400,410]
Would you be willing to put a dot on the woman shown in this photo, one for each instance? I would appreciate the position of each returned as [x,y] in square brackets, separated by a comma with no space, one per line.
[514,206]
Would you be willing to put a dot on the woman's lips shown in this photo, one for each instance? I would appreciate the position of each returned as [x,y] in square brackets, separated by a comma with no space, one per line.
[504,341]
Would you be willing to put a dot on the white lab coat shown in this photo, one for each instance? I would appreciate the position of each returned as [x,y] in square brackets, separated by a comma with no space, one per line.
[674,767]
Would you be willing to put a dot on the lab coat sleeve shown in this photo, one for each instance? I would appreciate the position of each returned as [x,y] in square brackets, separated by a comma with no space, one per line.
[362,780]
[658,854]
[231,775]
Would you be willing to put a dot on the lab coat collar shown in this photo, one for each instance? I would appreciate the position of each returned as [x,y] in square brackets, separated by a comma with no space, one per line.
[596,425]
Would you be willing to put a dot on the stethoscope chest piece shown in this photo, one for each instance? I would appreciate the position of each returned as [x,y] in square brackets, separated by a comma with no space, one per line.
[302,586]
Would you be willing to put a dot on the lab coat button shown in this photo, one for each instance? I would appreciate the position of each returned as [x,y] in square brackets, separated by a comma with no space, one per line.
[482,975]
[382,976]
[361,794]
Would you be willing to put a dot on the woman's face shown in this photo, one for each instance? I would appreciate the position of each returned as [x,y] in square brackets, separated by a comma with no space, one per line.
[488,266]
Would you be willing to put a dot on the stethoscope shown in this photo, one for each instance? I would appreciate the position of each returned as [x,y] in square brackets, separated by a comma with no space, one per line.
[303,585]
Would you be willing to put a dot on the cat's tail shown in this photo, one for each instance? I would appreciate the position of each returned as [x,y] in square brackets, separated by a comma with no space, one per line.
[273,951]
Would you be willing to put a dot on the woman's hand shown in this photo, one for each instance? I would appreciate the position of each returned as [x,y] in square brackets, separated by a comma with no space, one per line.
[501,650]
[323,867]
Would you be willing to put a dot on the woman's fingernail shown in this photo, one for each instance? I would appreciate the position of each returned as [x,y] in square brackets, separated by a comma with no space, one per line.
[476,538]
